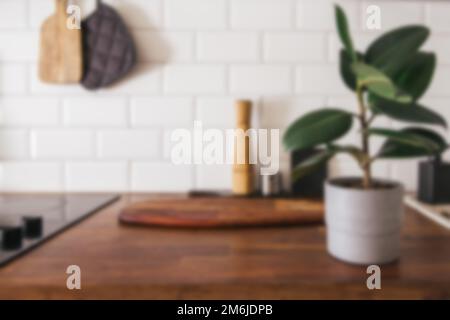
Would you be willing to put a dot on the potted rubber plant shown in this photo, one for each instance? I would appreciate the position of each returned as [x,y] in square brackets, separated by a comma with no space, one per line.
[364,214]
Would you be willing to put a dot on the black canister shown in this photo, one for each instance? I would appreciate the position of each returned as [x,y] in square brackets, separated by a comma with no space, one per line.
[312,184]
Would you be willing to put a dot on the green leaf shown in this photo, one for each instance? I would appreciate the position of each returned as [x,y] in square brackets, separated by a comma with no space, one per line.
[378,83]
[393,149]
[416,76]
[371,101]
[315,161]
[345,68]
[411,139]
[343,31]
[311,164]
[316,128]
[391,51]
[407,112]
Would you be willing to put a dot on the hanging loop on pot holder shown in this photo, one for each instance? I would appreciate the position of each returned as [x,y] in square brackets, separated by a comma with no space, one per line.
[108,48]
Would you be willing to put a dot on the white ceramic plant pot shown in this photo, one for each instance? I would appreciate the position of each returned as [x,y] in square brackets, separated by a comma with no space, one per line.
[363,226]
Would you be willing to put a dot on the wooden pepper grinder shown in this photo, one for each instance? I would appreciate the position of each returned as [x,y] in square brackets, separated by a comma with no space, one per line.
[242,169]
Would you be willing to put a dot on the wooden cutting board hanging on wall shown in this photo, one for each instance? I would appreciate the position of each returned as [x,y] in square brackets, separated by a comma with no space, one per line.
[61,58]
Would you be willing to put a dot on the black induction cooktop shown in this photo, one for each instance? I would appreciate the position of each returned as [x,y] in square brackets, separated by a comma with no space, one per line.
[26,221]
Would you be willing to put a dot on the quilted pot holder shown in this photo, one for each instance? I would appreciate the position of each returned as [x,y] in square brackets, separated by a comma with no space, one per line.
[108,48]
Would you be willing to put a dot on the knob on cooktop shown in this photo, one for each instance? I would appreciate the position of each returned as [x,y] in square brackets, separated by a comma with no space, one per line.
[32,227]
[11,237]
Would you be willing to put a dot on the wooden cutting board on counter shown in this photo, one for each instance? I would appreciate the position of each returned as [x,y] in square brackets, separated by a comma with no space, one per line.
[222,212]
[60,55]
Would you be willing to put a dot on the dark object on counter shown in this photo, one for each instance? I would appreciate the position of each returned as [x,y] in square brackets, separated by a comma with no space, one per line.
[434,181]
[32,227]
[108,48]
[311,185]
[11,231]
[11,237]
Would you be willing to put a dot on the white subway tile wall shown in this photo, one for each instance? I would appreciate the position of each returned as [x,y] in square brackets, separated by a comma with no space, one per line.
[195,58]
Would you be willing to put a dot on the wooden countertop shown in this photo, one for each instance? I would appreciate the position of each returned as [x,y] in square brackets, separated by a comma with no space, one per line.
[274,263]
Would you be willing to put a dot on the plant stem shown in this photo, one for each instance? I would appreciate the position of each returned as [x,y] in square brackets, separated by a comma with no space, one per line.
[365,165]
